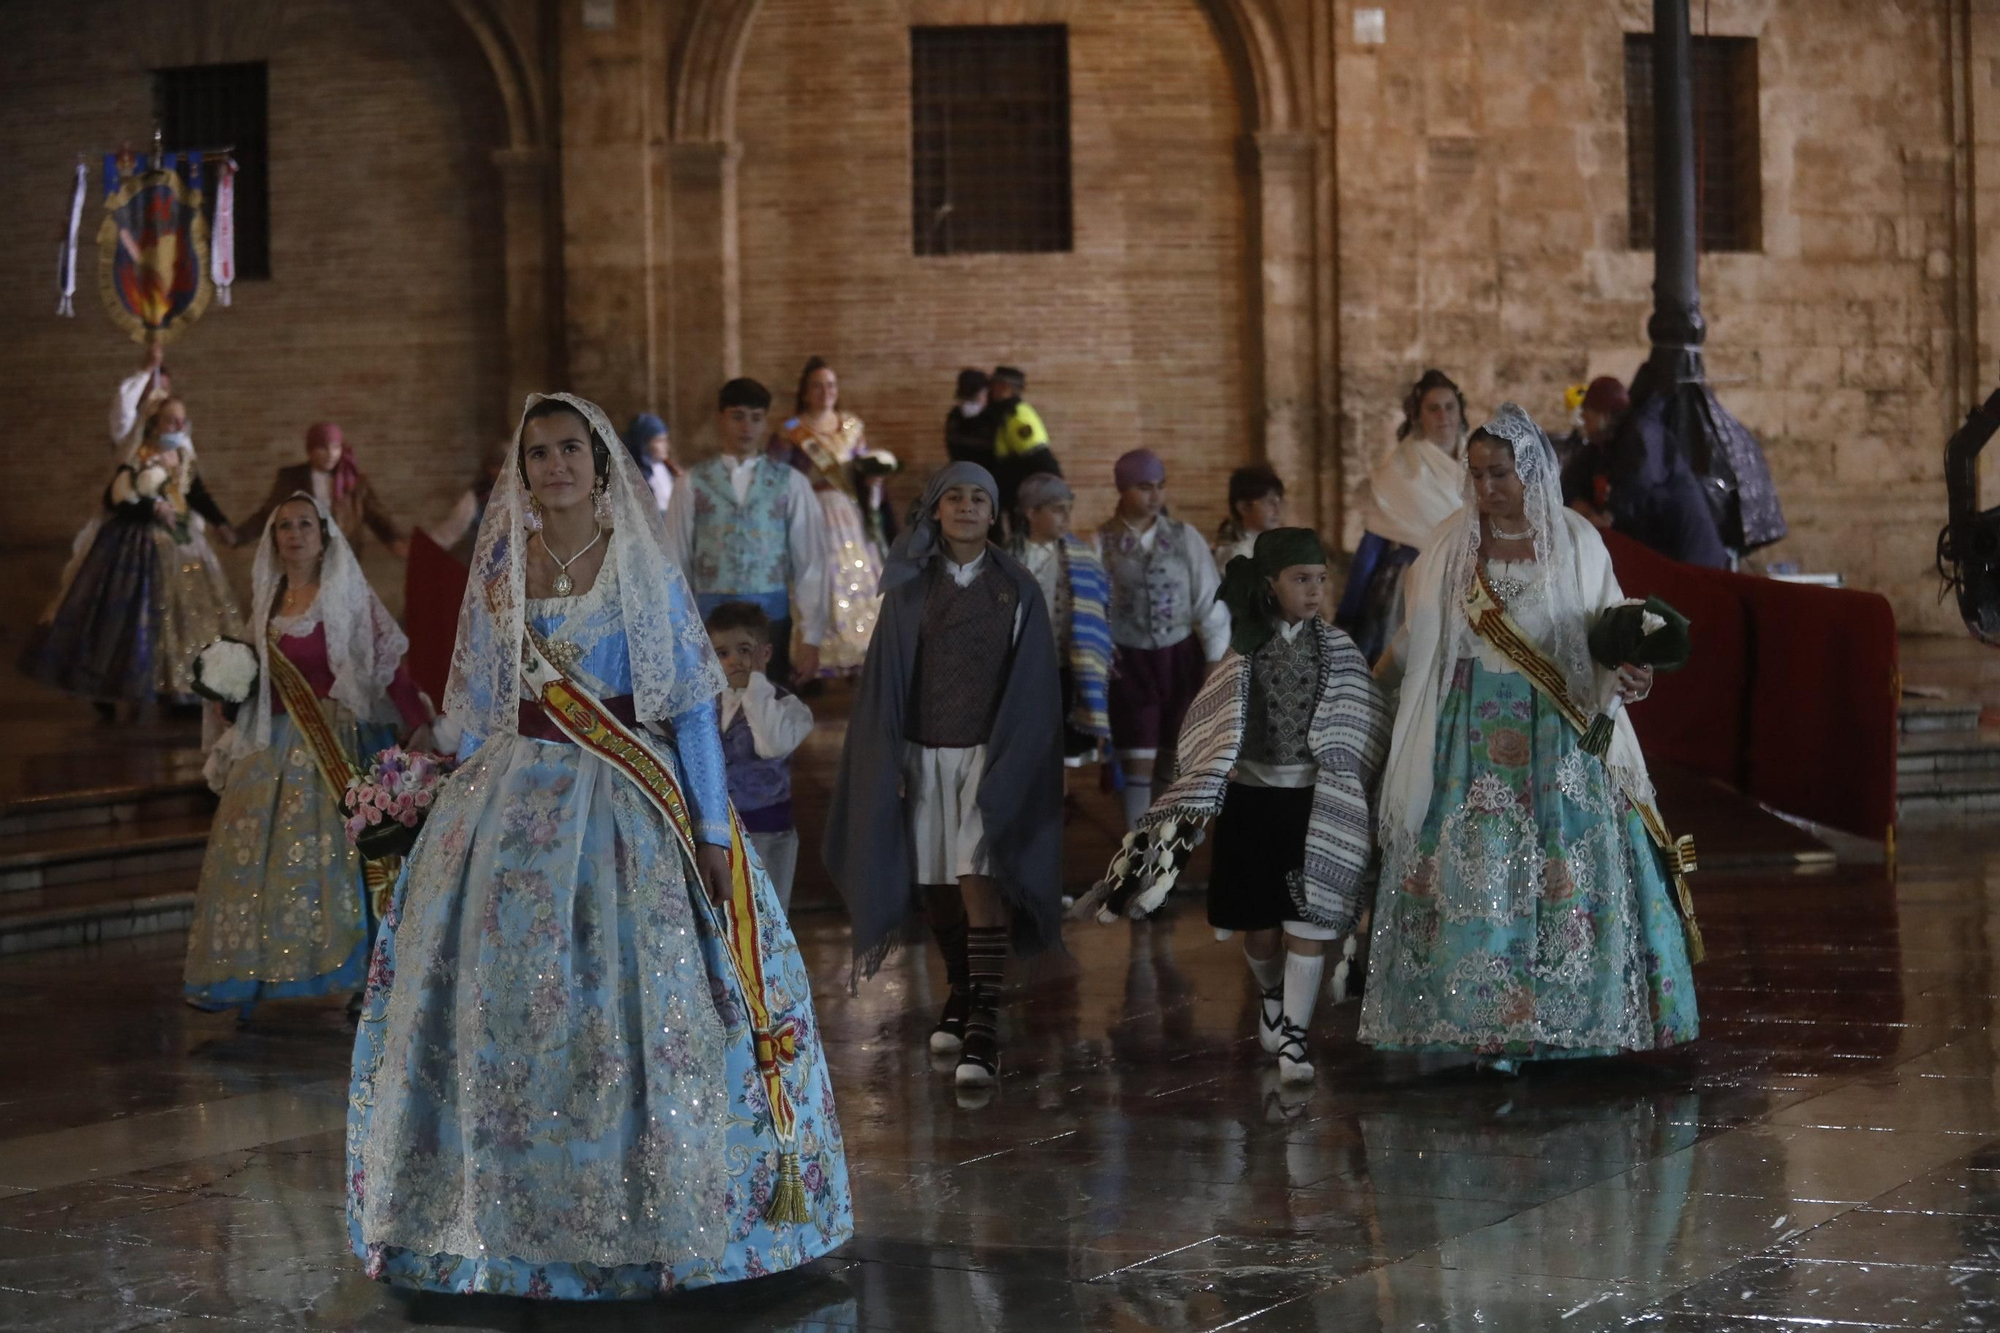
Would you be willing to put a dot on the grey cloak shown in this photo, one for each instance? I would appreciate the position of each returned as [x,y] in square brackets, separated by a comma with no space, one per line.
[867,847]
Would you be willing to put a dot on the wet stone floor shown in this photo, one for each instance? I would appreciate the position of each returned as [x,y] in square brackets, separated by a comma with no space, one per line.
[1827,1155]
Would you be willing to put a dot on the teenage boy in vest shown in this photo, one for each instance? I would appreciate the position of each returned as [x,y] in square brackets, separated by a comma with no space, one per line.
[949,799]
[747,528]
[761,725]
[1166,622]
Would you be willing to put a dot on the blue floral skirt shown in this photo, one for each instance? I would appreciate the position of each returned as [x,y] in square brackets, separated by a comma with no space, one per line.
[1534,918]
[554,1090]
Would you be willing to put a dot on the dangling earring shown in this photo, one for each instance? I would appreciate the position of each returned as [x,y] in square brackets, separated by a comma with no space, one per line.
[600,501]
[532,520]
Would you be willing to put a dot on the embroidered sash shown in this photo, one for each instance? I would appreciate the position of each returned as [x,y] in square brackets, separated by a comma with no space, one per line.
[1487,615]
[585,720]
[335,768]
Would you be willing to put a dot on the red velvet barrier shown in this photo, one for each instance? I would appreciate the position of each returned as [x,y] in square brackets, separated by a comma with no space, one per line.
[1823,704]
[433,586]
[1790,696]
[1696,717]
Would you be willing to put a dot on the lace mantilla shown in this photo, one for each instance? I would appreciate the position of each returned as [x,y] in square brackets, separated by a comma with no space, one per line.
[364,645]
[651,600]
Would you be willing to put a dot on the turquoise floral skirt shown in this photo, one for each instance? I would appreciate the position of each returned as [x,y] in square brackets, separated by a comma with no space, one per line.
[1534,917]
[554,1089]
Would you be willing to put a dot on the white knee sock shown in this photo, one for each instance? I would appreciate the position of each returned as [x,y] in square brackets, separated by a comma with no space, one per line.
[1138,798]
[1268,971]
[1302,974]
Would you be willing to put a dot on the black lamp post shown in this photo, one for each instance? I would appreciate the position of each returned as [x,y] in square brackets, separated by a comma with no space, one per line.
[1721,451]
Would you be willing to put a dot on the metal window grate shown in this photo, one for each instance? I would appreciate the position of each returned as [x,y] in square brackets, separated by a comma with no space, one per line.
[214,106]
[1729,193]
[989,139]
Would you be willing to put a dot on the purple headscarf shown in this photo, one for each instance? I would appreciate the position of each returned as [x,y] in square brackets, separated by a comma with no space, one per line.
[1139,467]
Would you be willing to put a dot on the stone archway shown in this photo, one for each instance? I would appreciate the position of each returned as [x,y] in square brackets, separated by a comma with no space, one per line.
[1288,266]
[528,203]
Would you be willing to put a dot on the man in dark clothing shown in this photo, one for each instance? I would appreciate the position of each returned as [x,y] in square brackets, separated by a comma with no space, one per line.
[1586,474]
[968,436]
[1020,441]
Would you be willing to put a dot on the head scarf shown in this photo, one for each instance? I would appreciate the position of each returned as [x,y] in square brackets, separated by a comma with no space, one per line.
[673,664]
[1138,467]
[1246,583]
[1042,488]
[347,471]
[639,433]
[364,645]
[1606,395]
[920,540]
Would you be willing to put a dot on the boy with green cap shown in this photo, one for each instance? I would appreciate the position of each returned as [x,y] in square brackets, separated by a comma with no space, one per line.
[1283,748]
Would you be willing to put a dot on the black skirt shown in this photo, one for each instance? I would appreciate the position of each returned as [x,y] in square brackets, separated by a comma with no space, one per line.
[1260,840]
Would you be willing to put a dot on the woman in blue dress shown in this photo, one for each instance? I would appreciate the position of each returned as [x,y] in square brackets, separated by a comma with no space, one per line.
[1525,909]
[563,1084]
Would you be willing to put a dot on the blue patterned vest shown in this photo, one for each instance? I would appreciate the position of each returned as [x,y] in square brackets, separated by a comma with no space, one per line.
[1152,593]
[754,784]
[739,548]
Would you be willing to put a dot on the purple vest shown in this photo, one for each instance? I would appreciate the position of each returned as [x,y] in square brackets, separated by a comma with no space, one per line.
[760,789]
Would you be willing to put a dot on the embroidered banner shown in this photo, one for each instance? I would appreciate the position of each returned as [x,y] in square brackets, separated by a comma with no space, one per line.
[153,252]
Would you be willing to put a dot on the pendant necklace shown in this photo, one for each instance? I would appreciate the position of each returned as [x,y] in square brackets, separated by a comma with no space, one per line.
[564,584]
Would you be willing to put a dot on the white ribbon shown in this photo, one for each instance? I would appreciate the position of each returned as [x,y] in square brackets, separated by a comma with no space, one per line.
[222,244]
[66,254]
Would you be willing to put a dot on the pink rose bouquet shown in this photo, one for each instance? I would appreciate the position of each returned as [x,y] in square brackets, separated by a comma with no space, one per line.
[386,805]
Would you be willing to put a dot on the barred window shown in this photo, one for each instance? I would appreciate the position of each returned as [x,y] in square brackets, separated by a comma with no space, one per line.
[1728,182]
[989,139]
[204,107]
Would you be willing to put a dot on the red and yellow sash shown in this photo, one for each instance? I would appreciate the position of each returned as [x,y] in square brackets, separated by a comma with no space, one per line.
[584,720]
[335,768]
[1487,615]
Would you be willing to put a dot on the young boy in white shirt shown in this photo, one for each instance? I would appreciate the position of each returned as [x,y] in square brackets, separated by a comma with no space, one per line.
[762,724]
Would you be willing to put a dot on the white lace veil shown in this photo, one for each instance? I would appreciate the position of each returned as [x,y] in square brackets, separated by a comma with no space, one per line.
[1556,566]
[484,692]
[364,645]
[1435,591]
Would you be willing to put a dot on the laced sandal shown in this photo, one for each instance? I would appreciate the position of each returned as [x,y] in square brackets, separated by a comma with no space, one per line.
[1271,1018]
[949,1034]
[1293,1066]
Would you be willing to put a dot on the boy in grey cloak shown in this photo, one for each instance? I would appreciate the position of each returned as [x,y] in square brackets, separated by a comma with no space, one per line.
[951,776]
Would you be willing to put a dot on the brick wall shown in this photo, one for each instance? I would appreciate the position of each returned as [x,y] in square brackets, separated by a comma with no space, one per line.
[1136,337]
[1483,229]
[384,311]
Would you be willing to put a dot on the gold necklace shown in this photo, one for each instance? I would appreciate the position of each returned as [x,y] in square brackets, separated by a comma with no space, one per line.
[564,584]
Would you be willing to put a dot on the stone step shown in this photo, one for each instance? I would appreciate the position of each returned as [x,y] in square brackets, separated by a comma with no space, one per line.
[53,857]
[1949,752]
[1926,716]
[91,911]
[107,808]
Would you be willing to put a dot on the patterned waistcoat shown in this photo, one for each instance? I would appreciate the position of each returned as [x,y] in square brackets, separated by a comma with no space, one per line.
[1284,690]
[1152,594]
[962,651]
[754,784]
[739,548]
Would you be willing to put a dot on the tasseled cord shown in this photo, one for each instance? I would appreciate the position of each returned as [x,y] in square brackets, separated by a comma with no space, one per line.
[788,1196]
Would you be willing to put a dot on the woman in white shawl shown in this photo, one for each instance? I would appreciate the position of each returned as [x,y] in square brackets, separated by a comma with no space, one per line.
[1410,492]
[1523,911]
[281,910]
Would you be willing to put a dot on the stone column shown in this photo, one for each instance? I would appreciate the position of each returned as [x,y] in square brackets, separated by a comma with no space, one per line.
[706,288]
[524,221]
[614,90]
[1282,371]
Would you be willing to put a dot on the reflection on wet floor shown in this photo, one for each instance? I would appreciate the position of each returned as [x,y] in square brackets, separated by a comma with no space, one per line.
[1828,1154]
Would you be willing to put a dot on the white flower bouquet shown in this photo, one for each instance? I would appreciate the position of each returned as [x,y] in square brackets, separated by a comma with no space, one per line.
[226,671]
